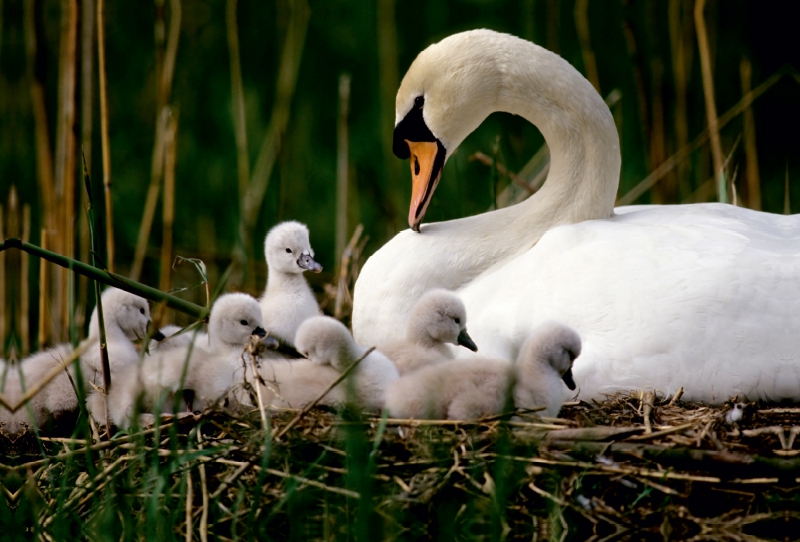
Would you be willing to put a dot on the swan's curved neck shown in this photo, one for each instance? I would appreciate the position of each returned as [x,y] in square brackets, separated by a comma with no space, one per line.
[579,130]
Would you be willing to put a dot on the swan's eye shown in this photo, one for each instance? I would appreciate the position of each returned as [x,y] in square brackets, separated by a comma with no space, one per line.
[141,310]
[416,165]
[243,322]
[419,101]
[458,320]
[289,250]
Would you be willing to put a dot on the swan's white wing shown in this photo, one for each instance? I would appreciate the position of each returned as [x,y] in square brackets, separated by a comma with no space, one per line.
[700,296]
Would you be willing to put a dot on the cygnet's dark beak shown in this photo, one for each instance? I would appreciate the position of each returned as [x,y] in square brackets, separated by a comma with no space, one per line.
[307,262]
[157,335]
[568,379]
[260,331]
[271,342]
[466,341]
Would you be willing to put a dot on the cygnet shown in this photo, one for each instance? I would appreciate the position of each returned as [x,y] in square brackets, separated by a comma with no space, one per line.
[473,388]
[330,350]
[206,367]
[439,318]
[126,318]
[288,300]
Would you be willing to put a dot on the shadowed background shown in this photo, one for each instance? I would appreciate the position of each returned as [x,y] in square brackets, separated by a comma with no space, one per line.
[234,116]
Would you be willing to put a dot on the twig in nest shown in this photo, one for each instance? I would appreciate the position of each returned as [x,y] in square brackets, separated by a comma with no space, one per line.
[311,405]
[676,397]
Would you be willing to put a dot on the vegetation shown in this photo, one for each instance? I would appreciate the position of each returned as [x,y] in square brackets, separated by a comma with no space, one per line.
[203,123]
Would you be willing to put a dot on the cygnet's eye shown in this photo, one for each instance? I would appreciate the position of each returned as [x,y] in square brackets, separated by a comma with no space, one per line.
[458,320]
[141,310]
[419,101]
[289,250]
[243,322]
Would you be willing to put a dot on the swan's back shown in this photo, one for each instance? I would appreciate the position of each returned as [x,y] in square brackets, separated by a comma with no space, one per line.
[700,296]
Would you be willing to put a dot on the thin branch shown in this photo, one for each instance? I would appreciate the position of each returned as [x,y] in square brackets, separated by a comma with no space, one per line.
[106,150]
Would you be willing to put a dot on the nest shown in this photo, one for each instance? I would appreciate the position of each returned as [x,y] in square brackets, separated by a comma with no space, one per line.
[635,466]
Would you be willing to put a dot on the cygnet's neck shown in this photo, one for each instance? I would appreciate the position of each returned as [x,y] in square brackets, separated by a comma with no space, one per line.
[286,283]
[417,333]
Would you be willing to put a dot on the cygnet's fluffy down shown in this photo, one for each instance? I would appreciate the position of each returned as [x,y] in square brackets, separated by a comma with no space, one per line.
[439,318]
[206,369]
[126,318]
[288,300]
[171,337]
[330,350]
[474,388]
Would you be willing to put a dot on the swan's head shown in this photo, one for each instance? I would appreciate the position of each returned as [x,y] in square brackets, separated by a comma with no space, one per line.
[125,311]
[171,337]
[288,249]
[441,315]
[450,88]
[233,319]
[555,345]
[326,341]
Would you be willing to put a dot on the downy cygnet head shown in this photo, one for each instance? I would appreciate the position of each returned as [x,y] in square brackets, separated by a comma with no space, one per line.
[128,312]
[288,249]
[233,319]
[326,341]
[555,344]
[442,316]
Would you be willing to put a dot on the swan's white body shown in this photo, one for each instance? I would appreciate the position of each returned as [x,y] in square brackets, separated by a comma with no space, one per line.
[701,296]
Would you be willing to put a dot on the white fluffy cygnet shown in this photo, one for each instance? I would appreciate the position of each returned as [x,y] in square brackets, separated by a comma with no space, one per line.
[206,367]
[439,318]
[126,318]
[330,350]
[474,388]
[288,300]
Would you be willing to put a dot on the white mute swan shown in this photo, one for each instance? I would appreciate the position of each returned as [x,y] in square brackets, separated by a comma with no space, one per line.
[287,299]
[438,318]
[467,389]
[701,296]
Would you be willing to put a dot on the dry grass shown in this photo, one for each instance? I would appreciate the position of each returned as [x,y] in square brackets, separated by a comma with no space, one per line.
[596,471]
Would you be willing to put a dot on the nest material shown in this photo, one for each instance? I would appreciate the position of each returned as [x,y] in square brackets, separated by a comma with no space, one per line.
[632,467]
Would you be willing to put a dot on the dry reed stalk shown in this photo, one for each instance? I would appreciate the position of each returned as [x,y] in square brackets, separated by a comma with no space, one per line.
[581,14]
[87,76]
[204,486]
[350,253]
[65,154]
[168,207]
[43,293]
[662,192]
[751,153]
[189,503]
[678,48]
[237,95]
[636,63]
[787,204]
[711,104]
[3,307]
[165,69]
[671,162]
[24,325]
[388,81]
[44,155]
[106,150]
[288,69]
[342,165]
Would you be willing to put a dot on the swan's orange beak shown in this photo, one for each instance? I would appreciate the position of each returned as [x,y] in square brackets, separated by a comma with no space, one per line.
[423,179]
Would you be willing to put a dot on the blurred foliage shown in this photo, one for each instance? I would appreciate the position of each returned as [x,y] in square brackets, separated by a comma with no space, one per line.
[630,39]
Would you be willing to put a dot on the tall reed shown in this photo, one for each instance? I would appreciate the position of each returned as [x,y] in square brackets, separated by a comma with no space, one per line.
[165,71]
[711,102]
[104,142]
